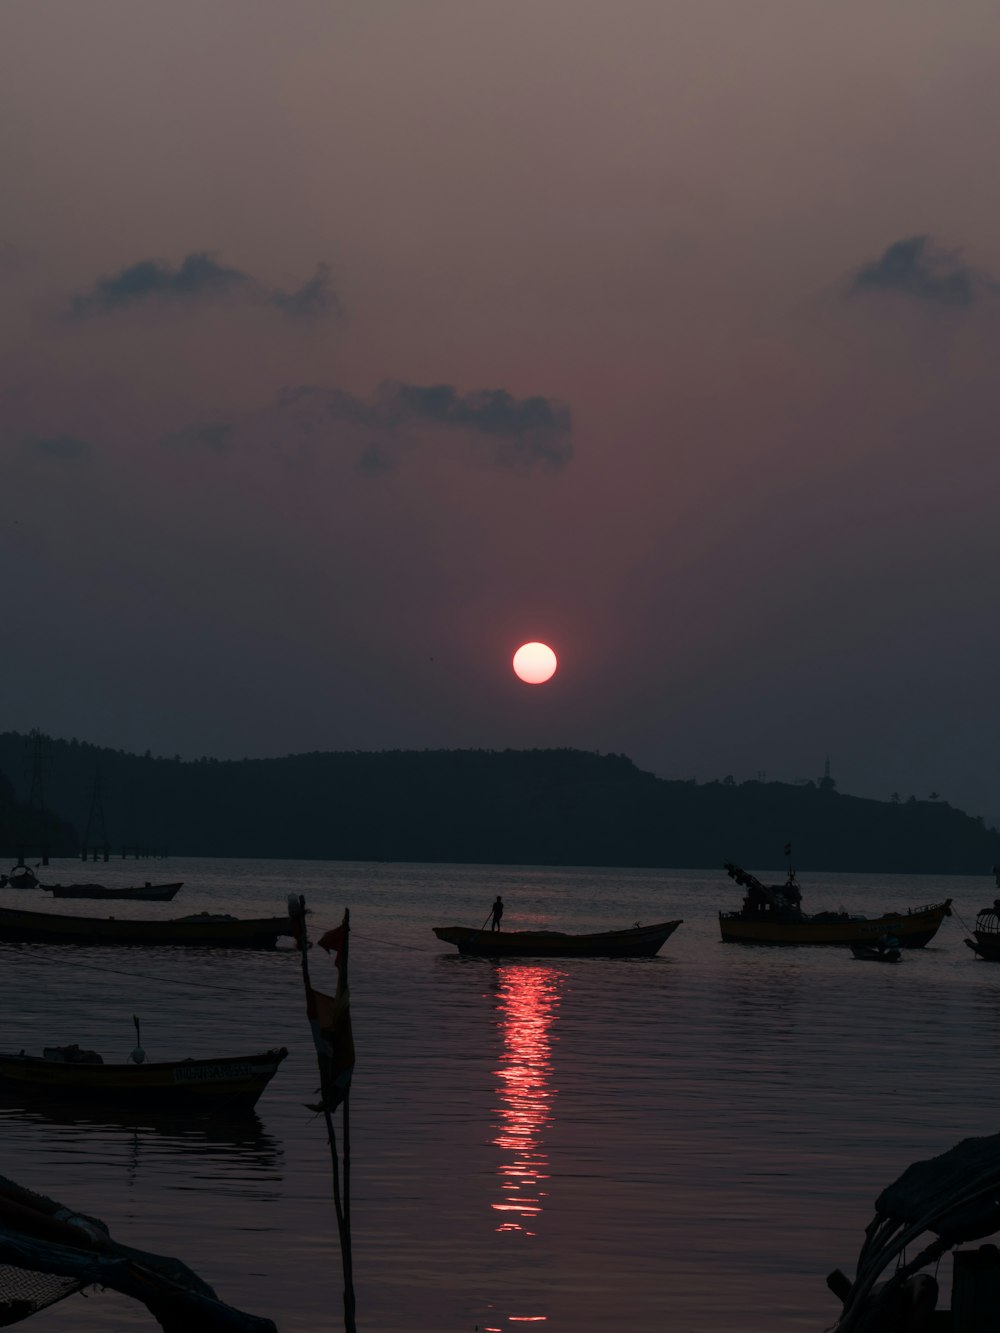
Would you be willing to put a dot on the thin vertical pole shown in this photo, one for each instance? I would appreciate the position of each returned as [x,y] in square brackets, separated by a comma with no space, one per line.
[341,1205]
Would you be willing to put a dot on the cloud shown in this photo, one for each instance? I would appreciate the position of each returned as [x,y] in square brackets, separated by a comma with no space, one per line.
[314,298]
[58,448]
[200,278]
[510,432]
[917,268]
[516,432]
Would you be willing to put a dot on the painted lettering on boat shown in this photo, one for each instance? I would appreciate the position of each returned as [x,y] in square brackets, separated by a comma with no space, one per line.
[211,1073]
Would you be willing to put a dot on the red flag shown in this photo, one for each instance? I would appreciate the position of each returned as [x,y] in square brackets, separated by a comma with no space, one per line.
[333,942]
[330,1020]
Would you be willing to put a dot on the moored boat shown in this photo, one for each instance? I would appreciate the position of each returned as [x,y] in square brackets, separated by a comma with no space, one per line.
[203,930]
[228,1085]
[987,933]
[772,914]
[879,952]
[21,877]
[147,893]
[639,942]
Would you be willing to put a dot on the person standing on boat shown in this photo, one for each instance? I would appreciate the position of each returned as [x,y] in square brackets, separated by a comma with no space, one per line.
[496,913]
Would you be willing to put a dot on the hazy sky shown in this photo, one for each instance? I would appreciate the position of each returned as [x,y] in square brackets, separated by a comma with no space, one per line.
[346,346]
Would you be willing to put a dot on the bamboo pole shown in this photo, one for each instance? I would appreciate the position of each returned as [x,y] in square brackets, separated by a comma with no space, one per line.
[341,1203]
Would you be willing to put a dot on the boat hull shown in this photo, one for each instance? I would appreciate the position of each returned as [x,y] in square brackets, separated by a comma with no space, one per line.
[204,931]
[912,929]
[639,942]
[988,948]
[147,893]
[231,1085]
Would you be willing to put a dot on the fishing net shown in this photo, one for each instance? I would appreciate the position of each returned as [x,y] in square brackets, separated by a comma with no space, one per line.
[23,1292]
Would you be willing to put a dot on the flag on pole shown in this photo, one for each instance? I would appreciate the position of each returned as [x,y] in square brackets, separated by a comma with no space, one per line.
[788,852]
[330,1021]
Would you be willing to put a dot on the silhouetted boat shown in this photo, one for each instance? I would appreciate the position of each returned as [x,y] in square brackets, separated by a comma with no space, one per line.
[639,942]
[934,1205]
[21,877]
[147,893]
[871,953]
[772,914]
[49,1252]
[200,931]
[987,934]
[66,1075]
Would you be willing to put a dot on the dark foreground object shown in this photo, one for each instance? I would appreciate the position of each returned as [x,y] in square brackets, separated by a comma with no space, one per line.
[147,893]
[933,1206]
[772,914]
[48,1252]
[228,1086]
[201,931]
[639,942]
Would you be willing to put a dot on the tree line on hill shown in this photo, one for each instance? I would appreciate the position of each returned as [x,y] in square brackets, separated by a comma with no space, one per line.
[533,807]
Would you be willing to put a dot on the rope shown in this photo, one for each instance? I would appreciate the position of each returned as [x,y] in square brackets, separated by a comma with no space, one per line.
[958,917]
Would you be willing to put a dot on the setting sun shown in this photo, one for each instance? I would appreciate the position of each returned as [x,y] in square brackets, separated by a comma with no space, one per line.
[535,663]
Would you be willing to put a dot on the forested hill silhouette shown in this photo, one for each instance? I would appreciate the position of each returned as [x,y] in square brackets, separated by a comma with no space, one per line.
[555,807]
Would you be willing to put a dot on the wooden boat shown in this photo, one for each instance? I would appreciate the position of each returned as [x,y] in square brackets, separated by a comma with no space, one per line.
[203,930]
[147,893]
[934,1206]
[639,942]
[871,953]
[987,933]
[227,1086]
[21,877]
[772,914]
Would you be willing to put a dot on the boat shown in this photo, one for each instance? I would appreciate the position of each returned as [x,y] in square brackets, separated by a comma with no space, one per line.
[987,933]
[934,1206]
[879,952]
[772,914]
[21,877]
[66,1075]
[147,893]
[202,930]
[49,1252]
[639,942]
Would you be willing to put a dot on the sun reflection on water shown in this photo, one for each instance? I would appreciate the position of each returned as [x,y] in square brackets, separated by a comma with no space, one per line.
[527,1001]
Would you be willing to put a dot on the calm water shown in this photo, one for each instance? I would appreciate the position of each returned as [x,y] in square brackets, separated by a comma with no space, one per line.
[691,1141]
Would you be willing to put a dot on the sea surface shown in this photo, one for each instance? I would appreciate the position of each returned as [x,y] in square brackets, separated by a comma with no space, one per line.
[689,1142]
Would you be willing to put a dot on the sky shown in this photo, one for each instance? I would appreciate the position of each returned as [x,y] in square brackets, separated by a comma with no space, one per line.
[345,347]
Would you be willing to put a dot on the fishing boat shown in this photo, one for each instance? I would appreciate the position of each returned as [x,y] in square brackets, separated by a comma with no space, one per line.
[987,933]
[146,893]
[639,942]
[202,930]
[934,1206]
[49,1252]
[21,877]
[65,1075]
[772,914]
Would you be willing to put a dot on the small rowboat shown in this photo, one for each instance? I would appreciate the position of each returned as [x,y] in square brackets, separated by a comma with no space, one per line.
[871,953]
[639,942]
[226,1086]
[147,893]
[202,930]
